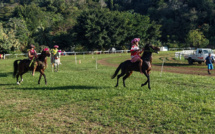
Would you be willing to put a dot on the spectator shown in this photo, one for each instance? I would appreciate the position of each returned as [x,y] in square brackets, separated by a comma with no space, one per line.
[209,62]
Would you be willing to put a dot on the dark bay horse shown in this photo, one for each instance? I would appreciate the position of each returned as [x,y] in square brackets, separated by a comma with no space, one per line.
[23,66]
[127,67]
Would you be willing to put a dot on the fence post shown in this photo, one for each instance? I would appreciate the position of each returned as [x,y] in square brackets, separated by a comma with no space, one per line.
[96,64]
[162,68]
[75,59]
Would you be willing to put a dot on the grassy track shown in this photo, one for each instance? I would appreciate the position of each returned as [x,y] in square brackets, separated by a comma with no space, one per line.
[81,99]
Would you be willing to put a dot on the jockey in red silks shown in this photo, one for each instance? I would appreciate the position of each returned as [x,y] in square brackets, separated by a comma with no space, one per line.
[135,53]
[32,54]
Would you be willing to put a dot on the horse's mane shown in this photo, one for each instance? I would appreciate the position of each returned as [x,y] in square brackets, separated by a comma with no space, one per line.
[148,51]
[42,56]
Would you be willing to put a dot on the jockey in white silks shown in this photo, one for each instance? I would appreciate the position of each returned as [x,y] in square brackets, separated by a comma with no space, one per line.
[55,58]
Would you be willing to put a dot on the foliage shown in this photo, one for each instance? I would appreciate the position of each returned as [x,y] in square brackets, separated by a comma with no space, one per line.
[197,39]
[49,22]
[102,29]
[8,40]
[177,17]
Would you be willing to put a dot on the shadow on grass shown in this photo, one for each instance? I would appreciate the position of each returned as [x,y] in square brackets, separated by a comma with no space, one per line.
[81,87]
[6,84]
[6,74]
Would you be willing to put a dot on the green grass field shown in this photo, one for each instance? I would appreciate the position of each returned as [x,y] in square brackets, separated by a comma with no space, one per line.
[82,99]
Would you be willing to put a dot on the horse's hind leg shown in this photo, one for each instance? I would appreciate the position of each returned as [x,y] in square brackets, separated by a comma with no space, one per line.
[17,79]
[118,76]
[21,76]
[56,67]
[125,77]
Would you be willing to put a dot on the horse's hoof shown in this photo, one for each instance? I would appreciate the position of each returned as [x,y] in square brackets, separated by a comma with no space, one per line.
[143,85]
[17,83]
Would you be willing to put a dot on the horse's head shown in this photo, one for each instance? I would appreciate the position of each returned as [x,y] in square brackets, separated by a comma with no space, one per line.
[151,48]
[45,52]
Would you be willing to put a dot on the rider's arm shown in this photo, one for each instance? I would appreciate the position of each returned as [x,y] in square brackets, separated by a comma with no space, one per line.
[134,49]
[29,55]
[35,53]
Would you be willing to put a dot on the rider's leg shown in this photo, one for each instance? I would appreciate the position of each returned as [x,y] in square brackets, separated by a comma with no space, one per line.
[140,65]
[35,67]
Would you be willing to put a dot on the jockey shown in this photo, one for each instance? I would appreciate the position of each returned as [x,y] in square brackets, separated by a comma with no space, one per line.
[135,53]
[54,53]
[32,55]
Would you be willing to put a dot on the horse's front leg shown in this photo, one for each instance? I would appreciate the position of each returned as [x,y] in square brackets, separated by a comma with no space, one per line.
[148,79]
[57,66]
[45,78]
[149,82]
[39,78]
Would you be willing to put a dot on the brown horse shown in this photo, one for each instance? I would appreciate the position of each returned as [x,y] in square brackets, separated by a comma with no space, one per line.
[127,66]
[23,66]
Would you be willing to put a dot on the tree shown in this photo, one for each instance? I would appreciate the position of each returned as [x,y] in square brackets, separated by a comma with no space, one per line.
[8,40]
[42,36]
[196,38]
[21,31]
[102,29]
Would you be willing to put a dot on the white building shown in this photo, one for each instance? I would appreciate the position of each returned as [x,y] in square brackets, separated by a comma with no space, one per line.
[164,48]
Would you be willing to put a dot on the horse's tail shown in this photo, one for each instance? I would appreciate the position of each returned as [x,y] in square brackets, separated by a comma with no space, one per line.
[117,70]
[15,66]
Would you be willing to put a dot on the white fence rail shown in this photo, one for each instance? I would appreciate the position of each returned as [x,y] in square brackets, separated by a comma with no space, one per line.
[72,53]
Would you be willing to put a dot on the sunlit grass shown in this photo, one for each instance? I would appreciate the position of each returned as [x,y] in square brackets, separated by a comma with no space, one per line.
[82,99]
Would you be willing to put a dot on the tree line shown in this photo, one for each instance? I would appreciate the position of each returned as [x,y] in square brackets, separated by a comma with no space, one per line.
[102,24]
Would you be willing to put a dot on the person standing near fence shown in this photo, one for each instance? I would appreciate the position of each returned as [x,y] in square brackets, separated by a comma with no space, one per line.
[209,62]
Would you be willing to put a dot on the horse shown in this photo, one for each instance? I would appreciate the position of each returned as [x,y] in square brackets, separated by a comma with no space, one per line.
[127,67]
[55,61]
[23,66]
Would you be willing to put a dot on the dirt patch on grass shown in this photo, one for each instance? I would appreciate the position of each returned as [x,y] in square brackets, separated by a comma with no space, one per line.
[172,69]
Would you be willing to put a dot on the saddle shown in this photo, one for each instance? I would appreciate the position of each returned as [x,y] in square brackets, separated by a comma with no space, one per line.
[39,63]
